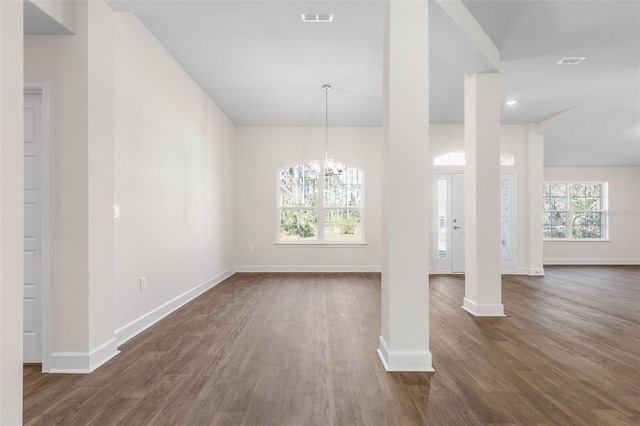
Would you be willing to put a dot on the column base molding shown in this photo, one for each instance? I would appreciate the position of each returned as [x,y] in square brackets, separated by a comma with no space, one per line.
[407,361]
[83,362]
[483,309]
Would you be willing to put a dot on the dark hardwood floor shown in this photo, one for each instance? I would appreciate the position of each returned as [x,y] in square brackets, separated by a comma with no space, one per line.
[300,349]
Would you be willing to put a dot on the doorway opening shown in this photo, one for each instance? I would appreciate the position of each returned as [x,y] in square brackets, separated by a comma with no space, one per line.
[37,223]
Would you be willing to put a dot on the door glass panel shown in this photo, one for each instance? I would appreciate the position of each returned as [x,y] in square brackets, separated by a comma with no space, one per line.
[505,214]
[442,219]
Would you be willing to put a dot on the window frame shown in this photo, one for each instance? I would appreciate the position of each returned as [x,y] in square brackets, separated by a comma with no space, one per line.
[321,209]
[570,212]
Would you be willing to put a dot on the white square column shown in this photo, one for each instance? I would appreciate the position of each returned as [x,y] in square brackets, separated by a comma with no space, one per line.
[404,343]
[535,180]
[11,210]
[483,278]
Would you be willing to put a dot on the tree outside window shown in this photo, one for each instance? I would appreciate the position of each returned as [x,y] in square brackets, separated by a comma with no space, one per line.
[336,216]
[574,211]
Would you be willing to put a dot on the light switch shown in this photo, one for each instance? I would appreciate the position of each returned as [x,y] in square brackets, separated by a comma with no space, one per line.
[116,211]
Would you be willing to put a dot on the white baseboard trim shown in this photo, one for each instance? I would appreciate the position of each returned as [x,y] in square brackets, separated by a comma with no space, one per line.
[483,309]
[518,271]
[147,320]
[407,361]
[83,362]
[539,272]
[601,261]
[309,268]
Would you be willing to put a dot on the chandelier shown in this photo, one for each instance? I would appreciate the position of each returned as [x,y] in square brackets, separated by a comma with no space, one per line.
[330,166]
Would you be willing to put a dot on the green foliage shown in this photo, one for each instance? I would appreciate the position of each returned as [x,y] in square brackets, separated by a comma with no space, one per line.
[351,223]
[585,196]
[349,228]
[587,225]
[555,196]
[348,221]
[555,224]
[298,223]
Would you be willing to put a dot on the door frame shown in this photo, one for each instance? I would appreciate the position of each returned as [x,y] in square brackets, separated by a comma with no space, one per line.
[442,170]
[42,87]
[451,170]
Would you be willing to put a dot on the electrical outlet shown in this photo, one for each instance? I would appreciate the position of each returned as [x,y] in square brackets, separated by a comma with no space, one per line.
[251,249]
[143,283]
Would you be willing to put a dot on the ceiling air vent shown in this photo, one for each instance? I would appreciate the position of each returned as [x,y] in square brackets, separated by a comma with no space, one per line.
[571,60]
[313,17]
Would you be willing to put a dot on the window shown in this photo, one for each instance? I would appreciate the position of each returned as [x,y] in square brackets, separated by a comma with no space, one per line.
[507,159]
[450,159]
[320,209]
[574,211]
[457,158]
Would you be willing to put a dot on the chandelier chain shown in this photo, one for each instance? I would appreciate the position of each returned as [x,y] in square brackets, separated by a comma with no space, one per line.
[326,120]
[331,168]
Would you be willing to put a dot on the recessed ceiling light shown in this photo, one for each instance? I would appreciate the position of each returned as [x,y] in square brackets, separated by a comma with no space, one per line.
[571,60]
[314,17]
[511,102]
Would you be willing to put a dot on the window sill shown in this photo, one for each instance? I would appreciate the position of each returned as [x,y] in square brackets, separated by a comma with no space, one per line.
[316,244]
[567,240]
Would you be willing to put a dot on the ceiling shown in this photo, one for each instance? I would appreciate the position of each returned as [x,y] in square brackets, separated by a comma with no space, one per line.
[263,66]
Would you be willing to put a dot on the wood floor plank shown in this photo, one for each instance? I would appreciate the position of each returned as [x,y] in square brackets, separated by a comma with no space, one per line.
[300,349]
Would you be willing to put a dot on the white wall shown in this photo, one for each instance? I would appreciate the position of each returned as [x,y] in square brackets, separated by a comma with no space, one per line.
[174,177]
[100,115]
[260,153]
[624,218]
[11,212]
[80,68]
[129,127]
[64,60]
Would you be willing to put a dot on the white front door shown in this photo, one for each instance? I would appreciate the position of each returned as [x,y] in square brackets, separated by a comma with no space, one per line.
[449,213]
[32,325]
[450,223]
